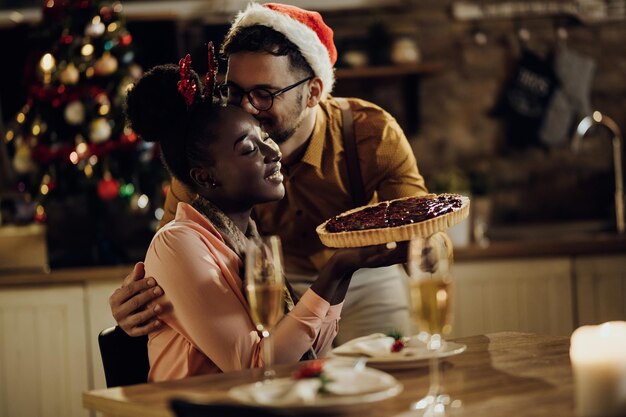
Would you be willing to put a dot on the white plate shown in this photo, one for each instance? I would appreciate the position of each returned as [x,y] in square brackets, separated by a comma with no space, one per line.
[374,386]
[413,358]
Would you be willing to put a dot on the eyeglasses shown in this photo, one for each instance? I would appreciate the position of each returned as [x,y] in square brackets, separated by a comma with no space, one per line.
[260,98]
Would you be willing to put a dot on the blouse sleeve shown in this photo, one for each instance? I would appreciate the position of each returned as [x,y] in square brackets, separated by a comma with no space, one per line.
[208,309]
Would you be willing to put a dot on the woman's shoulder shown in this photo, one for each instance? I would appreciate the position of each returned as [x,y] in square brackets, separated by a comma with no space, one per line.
[187,230]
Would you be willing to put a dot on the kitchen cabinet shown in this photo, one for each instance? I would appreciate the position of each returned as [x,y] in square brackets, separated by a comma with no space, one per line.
[600,283]
[49,323]
[528,295]
[49,352]
[44,364]
[99,318]
[551,295]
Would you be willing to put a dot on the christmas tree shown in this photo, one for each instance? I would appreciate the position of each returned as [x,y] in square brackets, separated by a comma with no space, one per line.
[70,135]
[70,138]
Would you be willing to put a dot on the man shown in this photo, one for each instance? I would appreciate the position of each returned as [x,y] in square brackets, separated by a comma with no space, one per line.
[280,69]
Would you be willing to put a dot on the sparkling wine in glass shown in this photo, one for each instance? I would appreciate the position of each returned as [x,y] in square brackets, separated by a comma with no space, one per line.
[430,281]
[264,285]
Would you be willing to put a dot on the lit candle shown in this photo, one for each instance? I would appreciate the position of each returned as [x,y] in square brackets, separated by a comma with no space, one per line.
[598,355]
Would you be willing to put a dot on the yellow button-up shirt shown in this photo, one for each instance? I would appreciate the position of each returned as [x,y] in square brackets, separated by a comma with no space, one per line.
[317,186]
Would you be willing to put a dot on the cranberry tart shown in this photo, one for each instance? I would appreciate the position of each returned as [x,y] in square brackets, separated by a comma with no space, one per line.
[394,220]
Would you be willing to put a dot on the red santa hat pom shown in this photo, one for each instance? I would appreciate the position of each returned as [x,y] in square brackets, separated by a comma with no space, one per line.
[303,28]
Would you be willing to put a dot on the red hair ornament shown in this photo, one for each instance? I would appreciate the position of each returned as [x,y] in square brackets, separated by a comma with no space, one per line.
[187,85]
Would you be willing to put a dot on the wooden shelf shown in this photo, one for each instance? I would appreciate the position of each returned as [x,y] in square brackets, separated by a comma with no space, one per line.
[389,71]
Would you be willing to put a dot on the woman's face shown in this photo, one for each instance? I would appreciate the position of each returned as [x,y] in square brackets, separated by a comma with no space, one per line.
[246,166]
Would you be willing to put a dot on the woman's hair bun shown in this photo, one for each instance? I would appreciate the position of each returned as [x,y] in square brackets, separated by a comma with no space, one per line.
[154,107]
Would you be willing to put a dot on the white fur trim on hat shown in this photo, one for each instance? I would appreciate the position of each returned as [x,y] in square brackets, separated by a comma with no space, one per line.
[312,49]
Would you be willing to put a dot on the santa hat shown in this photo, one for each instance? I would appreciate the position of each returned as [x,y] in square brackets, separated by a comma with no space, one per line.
[303,28]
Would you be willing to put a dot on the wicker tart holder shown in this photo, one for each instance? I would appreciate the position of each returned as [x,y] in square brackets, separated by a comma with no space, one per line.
[379,236]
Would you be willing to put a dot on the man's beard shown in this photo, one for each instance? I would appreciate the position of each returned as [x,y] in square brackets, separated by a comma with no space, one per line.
[281,136]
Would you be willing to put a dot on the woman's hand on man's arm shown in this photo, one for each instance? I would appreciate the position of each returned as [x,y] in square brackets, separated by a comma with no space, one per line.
[130,304]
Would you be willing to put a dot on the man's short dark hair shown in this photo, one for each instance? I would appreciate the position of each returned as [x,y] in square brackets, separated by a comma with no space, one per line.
[259,38]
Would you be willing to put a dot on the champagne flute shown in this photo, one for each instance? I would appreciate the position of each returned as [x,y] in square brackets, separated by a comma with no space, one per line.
[265,286]
[430,281]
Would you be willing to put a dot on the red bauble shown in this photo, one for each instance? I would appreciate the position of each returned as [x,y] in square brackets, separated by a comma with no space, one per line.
[67,39]
[126,39]
[40,217]
[106,12]
[108,189]
[52,185]
[128,138]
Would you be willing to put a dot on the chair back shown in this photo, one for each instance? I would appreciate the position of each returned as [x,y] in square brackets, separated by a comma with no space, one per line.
[125,358]
[185,408]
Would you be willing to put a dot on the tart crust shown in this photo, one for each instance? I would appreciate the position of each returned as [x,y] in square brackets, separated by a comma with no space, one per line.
[378,236]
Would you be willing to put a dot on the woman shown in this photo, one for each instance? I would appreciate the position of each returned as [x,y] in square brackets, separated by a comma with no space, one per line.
[221,153]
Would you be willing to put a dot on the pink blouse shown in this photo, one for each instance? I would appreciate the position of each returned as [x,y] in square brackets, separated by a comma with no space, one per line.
[206,324]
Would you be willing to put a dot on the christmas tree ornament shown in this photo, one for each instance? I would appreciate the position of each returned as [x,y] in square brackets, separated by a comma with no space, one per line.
[88,170]
[40,214]
[128,57]
[22,160]
[105,65]
[99,130]
[47,65]
[95,28]
[82,149]
[106,12]
[47,185]
[108,188]
[104,104]
[36,127]
[86,50]
[139,203]
[67,39]
[113,26]
[102,99]
[70,74]
[127,190]
[74,113]
[126,39]
[128,136]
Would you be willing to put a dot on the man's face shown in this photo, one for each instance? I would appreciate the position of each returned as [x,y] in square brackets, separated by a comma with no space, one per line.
[247,70]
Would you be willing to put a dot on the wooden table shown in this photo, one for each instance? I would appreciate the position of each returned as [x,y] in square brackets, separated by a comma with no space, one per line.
[500,374]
